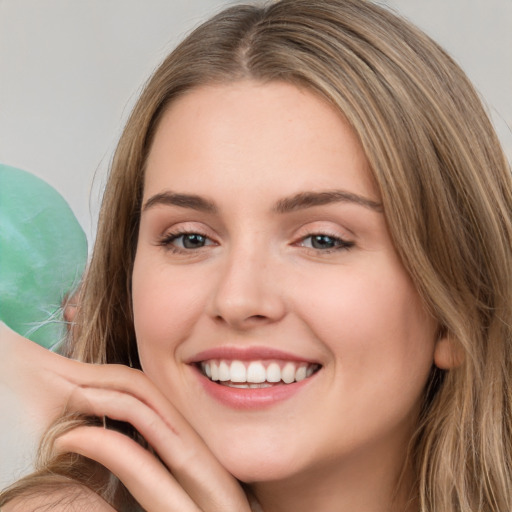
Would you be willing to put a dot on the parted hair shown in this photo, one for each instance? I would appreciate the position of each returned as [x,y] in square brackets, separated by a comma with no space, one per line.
[446,193]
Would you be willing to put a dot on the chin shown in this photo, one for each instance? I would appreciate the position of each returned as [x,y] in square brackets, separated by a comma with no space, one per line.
[256,471]
[250,462]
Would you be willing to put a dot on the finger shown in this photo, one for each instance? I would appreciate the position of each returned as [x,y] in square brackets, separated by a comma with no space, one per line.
[143,475]
[184,453]
[119,378]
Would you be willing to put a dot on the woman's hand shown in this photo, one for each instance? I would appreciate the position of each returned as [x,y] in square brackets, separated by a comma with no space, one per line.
[34,379]
[187,477]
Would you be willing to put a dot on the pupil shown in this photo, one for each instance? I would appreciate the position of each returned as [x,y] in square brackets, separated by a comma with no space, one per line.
[193,241]
[322,242]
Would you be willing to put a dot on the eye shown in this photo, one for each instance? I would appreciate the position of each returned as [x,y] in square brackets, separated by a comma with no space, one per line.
[191,240]
[180,241]
[323,242]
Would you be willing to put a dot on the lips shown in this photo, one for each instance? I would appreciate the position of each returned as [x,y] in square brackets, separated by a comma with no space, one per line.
[252,377]
[257,373]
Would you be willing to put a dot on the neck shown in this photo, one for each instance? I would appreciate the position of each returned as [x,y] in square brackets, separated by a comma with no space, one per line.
[363,485]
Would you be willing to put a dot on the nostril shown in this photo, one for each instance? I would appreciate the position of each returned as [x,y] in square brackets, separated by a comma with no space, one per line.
[220,318]
[242,323]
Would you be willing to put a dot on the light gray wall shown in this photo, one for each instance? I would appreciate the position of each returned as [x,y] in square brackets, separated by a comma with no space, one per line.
[71,69]
[478,34]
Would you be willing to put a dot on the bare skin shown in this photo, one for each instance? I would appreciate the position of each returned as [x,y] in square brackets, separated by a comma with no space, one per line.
[36,376]
[189,479]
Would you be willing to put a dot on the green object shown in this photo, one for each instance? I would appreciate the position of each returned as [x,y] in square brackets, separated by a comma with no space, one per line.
[43,253]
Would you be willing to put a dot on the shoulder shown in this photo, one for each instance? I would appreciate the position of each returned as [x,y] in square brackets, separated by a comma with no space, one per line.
[72,498]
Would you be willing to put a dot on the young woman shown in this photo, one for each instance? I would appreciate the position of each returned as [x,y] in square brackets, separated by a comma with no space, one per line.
[305,245]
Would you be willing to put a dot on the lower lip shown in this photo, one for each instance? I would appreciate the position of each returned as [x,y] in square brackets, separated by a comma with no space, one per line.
[251,398]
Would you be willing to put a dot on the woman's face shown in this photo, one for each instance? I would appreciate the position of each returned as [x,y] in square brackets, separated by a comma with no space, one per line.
[264,255]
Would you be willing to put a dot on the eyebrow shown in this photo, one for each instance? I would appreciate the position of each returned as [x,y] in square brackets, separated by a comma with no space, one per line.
[183,200]
[296,202]
[305,200]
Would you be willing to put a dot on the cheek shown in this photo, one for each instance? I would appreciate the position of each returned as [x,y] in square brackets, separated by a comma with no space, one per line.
[371,320]
[166,306]
[382,342]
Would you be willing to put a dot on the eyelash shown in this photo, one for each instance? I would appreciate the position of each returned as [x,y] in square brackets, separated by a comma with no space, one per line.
[340,244]
[167,241]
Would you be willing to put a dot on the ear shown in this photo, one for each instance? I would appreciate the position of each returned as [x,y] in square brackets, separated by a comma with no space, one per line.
[448,354]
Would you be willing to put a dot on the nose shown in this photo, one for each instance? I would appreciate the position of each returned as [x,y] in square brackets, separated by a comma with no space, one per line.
[248,293]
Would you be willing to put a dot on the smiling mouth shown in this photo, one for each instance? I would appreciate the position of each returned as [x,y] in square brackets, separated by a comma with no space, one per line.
[256,374]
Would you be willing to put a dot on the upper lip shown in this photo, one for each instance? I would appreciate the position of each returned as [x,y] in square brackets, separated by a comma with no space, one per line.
[247,354]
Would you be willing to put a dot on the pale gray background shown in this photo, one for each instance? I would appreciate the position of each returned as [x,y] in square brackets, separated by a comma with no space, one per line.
[70,71]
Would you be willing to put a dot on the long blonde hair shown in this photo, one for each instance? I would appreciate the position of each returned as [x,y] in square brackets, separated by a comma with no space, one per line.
[446,192]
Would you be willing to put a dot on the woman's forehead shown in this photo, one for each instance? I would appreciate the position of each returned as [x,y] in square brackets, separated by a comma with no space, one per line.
[249,134]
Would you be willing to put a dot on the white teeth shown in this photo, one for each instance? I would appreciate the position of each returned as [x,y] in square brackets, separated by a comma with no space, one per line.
[256,373]
[302,373]
[273,373]
[238,372]
[224,373]
[214,371]
[288,373]
[246,386]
